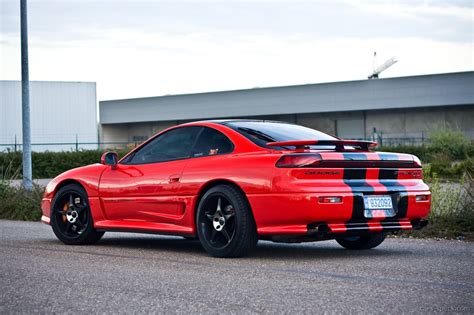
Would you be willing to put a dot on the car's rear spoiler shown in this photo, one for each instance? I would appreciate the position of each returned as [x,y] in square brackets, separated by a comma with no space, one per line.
[339,144]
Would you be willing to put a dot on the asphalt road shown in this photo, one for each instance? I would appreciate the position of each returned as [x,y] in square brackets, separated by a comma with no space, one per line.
[147,273]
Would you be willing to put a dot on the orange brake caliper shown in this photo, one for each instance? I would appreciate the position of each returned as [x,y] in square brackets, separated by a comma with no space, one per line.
[65,207]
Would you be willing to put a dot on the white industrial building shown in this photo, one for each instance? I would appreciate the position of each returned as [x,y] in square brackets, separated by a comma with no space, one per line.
[63,116]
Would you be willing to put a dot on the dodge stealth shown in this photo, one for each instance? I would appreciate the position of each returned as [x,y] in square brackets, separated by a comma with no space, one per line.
[230,183]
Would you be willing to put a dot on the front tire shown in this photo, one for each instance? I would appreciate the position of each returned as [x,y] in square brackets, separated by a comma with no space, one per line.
[362,242]
[224,222]
[71,218]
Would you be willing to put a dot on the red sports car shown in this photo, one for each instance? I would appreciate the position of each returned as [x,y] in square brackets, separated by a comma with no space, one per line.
[230,183]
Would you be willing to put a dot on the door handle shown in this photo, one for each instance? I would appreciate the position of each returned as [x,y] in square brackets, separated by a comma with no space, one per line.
[174,179]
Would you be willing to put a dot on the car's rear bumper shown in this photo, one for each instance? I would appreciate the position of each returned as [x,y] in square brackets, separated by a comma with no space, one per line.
[304,214]
[367,226]
[323,231]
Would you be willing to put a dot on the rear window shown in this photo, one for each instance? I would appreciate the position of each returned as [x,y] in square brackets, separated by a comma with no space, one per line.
[262,132]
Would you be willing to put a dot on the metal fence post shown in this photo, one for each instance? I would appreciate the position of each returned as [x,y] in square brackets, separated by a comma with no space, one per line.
[25,97]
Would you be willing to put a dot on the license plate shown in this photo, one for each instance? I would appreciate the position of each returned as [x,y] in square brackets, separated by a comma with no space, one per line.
[378,202]
[378,207]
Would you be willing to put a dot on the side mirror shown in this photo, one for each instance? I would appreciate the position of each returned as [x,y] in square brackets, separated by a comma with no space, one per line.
[109,158]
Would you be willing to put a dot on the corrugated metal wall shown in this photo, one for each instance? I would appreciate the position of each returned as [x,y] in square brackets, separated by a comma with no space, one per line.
[61,112]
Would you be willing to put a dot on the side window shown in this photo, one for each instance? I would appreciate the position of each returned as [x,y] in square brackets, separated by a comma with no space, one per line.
[173,145]
[211,142]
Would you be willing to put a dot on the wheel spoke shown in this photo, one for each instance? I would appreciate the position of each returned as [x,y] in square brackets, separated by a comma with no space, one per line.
[80,224]
[71,203]
[226,234]
[219,204]
[209,216]
[213,235]
[228,216]
[79,208]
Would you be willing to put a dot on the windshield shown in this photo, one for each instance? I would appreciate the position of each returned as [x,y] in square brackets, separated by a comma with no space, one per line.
[261,132]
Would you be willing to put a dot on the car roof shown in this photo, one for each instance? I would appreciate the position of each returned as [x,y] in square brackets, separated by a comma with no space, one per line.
[226,121]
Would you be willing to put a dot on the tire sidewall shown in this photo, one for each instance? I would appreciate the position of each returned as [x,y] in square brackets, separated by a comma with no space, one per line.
[54,224]
[242,217]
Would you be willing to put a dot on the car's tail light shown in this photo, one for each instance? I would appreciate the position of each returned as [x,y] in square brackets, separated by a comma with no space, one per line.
[299,160]
[421,198]
[330,199]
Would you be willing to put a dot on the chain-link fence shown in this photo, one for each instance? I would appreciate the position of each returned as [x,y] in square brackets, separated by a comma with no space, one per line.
[78,146]
[383,140]
[68,146]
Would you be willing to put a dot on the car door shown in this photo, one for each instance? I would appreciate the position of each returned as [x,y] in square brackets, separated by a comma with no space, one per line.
[143,187]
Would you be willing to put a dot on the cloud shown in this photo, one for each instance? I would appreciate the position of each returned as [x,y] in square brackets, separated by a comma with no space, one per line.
[140,48]
[64,20]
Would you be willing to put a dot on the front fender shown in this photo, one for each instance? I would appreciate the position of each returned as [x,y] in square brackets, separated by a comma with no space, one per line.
[88,176]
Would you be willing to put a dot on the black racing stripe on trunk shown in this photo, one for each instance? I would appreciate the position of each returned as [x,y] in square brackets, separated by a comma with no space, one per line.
[399,195]
[402,206]
[387,174]
[356,179]
[355,173]
[369,190]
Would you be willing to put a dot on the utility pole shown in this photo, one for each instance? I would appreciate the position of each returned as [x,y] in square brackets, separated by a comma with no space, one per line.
[25,100]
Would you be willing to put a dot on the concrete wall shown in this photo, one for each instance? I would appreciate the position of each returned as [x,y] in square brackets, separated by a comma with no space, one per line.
[119,135]
[407,123]
[447,89]
[413,122]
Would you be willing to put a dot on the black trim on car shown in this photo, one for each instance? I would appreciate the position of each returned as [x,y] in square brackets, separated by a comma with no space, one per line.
[126,161]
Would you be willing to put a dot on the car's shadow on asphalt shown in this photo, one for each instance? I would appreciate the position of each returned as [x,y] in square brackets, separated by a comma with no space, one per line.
[265,249]
[320,250]
[168,244]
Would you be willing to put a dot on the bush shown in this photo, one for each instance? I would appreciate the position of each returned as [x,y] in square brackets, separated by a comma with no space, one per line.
[441,163]
[449,142]
[49,164]
[449,152]
[20,204]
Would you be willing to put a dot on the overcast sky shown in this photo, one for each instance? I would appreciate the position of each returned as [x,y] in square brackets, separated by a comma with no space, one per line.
[150,48]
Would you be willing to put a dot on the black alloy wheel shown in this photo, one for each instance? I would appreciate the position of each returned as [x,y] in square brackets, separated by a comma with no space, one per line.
[225,223]
[71,218]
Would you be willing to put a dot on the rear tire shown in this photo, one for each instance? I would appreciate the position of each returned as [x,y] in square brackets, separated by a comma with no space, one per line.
[224,222]
[362,242]
[71,218]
